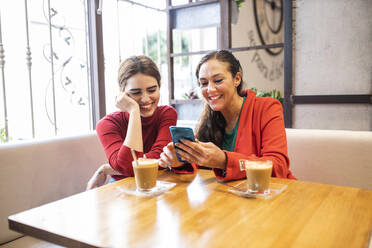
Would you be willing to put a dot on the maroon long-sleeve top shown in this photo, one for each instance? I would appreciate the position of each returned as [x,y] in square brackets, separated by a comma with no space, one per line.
[112,130]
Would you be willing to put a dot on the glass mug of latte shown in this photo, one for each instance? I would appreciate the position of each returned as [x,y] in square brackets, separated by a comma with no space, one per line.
[145,173]
[258,175]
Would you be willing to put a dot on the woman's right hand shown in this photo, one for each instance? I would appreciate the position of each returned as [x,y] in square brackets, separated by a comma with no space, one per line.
[168,157]
[125,103]
[98,179]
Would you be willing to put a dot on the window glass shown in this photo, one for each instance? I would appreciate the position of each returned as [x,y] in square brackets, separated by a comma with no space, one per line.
[184,66]
[50,96]
[183,2]
[128,30]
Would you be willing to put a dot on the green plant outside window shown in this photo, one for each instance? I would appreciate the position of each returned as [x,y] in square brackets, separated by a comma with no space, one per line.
[239,3]
[2,135]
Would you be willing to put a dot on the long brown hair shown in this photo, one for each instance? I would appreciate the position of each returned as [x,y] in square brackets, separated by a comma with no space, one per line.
[137,64]
[212,124]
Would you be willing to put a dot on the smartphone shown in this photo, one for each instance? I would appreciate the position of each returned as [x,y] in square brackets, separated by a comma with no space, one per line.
[180,133]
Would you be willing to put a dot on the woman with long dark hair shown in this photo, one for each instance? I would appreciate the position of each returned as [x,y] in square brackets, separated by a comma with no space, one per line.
[235,124]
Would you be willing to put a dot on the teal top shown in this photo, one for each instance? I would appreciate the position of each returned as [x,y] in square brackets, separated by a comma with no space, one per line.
[229,138]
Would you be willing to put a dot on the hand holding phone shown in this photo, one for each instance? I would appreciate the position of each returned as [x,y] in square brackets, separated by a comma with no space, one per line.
[180,133]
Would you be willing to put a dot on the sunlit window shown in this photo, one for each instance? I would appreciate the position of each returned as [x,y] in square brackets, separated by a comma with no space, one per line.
[44,83]
[133,29]
[190,40]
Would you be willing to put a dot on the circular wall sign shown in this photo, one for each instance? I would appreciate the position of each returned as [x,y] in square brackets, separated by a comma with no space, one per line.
[269,22]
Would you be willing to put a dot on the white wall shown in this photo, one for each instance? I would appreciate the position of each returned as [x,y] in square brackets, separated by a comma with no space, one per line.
[333,55]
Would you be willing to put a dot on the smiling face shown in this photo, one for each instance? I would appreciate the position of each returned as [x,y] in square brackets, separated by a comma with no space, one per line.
[145,91]
[218,86]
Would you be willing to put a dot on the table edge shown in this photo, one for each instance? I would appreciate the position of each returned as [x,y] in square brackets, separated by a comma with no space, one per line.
[45,235]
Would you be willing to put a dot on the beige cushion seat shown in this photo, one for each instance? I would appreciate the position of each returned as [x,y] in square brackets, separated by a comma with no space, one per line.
[331,156]
[36,172]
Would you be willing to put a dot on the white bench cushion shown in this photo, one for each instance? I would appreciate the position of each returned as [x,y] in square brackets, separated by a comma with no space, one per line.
[331,156]
[37,172]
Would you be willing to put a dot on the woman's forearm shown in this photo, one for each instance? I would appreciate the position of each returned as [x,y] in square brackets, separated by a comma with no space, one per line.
[133,138]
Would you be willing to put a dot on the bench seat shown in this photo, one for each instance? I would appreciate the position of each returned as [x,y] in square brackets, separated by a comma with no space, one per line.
[33,173]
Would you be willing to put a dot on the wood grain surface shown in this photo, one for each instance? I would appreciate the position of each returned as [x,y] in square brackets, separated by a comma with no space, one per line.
[199,212]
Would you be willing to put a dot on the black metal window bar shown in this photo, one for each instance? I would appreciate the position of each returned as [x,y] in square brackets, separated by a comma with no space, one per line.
[225,43]
[224,39]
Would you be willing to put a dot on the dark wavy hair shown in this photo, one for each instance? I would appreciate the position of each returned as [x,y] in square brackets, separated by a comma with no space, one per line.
[137,64]
[212,124]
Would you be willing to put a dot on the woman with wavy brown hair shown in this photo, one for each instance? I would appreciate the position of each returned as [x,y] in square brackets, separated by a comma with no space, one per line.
[140,124]
[235,124]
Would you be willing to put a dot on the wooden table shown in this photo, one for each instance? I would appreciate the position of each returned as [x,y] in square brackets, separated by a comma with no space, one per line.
[199,212]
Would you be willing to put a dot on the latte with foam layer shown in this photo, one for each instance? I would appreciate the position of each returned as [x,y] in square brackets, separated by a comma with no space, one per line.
[145,173]
[258,176]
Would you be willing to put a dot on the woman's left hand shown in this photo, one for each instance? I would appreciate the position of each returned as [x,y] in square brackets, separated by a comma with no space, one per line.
[201,153]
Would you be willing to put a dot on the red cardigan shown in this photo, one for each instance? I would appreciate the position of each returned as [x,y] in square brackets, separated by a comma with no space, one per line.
[261,135]
[112,130]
